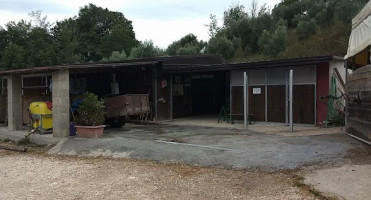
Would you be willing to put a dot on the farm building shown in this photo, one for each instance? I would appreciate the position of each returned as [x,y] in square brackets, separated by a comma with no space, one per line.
[180,86]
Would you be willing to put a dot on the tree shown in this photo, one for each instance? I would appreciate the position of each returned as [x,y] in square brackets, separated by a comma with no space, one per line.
[146,49]
[187,45]
[233,14]
[273,44]
[306,28]
[39,21]
[13,57]
[213,26]
[66,42]
[40,49]
[188,50]
[119,39]
[220,45]
[116,56]
[96,25]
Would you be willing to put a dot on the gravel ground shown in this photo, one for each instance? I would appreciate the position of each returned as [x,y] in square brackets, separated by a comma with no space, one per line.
[39,176]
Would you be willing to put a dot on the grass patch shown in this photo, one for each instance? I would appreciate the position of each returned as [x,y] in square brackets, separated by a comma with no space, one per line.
[24,141]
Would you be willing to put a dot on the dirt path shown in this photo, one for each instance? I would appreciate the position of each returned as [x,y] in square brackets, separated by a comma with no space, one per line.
[346,182]
[37,176]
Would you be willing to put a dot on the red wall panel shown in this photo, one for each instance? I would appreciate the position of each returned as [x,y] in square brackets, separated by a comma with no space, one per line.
[322,90]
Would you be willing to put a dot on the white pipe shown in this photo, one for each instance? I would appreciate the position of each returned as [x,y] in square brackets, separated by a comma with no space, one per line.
[358,138]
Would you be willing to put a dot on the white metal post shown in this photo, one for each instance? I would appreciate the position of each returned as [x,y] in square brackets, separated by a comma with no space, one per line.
[245,104]
[291,77]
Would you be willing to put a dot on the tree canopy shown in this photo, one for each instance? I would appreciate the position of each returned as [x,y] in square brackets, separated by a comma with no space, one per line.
[88,37]
[293,28]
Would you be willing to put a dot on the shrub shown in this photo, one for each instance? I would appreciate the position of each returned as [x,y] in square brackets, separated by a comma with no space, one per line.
[91,111]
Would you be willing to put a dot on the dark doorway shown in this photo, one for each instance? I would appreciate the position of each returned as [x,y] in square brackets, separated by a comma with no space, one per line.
[208,93]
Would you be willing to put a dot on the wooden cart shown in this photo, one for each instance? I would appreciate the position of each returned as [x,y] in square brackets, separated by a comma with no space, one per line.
[120,107]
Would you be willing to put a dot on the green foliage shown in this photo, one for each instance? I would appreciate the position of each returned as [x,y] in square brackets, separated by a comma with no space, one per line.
[273,44]
[146,49]
[306,28]
[91,111]
[96,25]
[293,28]
[116,56]
[233,14]
[213,26]
[88,37]
[220,45]
[66,43]
[39,21]
[40,48]
[13,57]
[187,45]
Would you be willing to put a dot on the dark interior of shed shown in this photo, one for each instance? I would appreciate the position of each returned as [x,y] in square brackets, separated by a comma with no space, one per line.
[197,94]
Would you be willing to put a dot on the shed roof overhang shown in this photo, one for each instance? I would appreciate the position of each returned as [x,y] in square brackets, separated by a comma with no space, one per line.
[85,67]
[251,65]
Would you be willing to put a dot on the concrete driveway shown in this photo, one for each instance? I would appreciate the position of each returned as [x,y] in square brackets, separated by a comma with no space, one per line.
[212,146]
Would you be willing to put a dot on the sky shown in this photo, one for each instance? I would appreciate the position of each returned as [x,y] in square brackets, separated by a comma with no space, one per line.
[162,21]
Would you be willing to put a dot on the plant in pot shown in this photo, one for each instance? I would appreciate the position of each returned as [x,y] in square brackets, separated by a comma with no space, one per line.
[90,117]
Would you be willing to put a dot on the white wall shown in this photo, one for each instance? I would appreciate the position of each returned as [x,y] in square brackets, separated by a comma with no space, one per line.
[276,76]
[339,65]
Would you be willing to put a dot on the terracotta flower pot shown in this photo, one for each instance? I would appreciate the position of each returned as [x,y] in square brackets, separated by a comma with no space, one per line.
[90,131]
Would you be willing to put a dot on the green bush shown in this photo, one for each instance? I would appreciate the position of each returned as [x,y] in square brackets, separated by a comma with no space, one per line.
[91,111]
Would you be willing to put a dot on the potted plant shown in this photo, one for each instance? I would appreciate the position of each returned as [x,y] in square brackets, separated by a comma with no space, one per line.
[90,117]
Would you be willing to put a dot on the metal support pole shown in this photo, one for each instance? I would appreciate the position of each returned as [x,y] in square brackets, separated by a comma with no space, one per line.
[171,97]
[291,77]
[346,95]
[245,99]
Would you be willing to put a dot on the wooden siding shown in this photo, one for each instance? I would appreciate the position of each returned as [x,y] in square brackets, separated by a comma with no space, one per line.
[257,103]
[303,104]
[163,107]
[3,107]
[276,103]
[359,103]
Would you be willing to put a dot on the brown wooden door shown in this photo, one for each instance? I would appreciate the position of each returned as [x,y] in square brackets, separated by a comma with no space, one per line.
[276,103]
[303,104]
[237,101]
[163,94]
[257,102]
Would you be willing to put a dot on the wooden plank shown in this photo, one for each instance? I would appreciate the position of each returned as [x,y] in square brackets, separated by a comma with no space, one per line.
[19,149]
[359,103]
[163,107]
[3,107]
[276,103]
[257,103]
[237,102]
[303,104]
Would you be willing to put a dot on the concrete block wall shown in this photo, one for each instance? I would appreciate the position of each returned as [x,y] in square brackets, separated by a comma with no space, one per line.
[61,103]
[14,102]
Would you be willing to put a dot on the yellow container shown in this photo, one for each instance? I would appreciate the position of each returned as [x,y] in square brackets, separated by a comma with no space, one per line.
[41,116]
